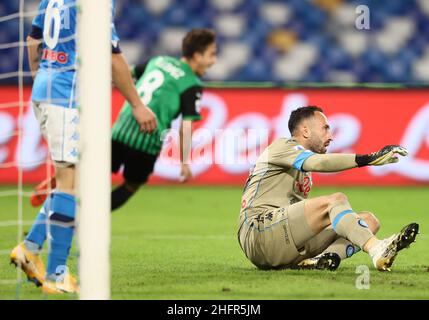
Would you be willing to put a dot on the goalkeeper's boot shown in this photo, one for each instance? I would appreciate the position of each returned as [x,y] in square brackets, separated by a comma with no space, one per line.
[324,261]
[30,263]
[67,285]
[41,192]
[384,253]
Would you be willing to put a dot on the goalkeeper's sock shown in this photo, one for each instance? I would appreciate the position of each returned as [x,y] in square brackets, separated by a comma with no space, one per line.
[343,247]
[347,224]
[61,230]
[120,195]
[37,235]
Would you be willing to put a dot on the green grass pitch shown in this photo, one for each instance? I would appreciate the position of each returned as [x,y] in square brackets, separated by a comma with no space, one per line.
[180,243]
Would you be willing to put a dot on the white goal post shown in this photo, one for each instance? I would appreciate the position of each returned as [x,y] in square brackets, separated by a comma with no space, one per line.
[94,90]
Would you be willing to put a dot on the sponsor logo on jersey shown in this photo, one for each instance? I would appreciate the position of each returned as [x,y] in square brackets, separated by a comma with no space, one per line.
[304,187]
[243,203]
[54,56]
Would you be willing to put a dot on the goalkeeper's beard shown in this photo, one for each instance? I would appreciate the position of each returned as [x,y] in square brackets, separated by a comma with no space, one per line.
[316,144]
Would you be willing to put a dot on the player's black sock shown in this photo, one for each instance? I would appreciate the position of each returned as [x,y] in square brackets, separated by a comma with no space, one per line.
[119,196]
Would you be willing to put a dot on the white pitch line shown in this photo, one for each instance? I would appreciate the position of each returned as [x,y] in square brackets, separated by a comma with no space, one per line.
[9,193]
[12,223]
[8,281]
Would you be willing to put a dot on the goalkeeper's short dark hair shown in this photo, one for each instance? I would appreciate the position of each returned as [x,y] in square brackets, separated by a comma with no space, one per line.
[300,114]
[197,40]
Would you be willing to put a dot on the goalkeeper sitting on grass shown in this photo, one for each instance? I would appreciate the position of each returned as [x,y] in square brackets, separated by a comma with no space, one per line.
[279,227]
[169,87]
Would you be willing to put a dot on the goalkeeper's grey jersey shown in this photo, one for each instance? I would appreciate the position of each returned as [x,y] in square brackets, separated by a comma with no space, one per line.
[277,180]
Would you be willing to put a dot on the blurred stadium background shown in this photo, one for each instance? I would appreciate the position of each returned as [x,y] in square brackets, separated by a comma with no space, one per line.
[273,56]
[293,40]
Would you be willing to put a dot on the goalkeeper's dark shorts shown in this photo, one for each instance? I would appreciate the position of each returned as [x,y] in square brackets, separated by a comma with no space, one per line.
[137,165]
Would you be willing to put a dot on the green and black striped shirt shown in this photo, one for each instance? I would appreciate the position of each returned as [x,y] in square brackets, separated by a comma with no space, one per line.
[169,88]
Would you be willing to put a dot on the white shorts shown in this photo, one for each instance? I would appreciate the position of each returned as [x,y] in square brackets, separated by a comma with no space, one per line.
[59,127]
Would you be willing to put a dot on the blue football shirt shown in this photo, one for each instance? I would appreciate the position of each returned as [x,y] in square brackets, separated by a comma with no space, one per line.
[55,24]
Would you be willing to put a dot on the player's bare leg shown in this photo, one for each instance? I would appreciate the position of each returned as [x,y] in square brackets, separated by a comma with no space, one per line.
[65,178]
[335,210]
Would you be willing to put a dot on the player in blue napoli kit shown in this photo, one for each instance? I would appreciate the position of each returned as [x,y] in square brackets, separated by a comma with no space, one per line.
[52,53]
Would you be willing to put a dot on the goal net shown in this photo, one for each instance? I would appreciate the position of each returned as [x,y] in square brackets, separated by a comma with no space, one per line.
[22,147]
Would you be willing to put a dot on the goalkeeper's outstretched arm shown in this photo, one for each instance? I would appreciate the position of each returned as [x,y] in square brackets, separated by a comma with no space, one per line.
[335,162]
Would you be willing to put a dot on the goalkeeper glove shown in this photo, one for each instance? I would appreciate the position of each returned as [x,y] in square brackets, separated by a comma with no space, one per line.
[384,156]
